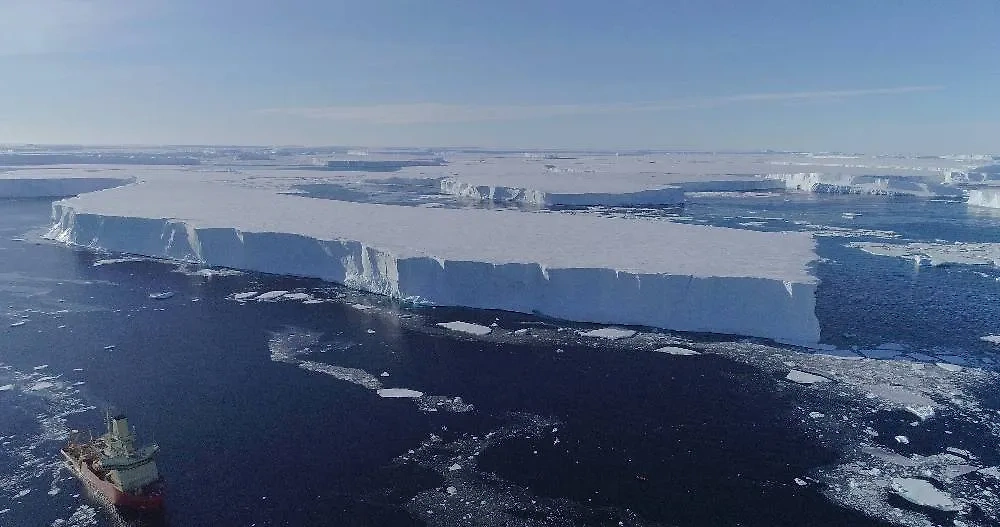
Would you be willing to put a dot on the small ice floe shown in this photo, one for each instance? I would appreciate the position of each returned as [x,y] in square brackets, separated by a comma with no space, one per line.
[109,347]
[40,367]
[993,339]
[161,296]
[77,369]
[53,491]
[817,415]
[371,331]
[4,511]
[403,393]
[948,366]
[40,386]
[455,467]
[451,491]
[924,412]
[6,387]
[802,377]
[245,296]
[903,440]
[673,350]
[18,323]
[608,333]
[466,327]
[297,296]
[800,482]
[922,492]
[271,296]
[850,215]
[384,374]
[522,331]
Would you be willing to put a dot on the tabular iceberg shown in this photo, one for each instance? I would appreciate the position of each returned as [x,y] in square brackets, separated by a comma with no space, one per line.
[570,266]
[54,187]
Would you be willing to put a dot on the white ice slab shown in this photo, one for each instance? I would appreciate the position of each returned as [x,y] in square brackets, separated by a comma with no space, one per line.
[935,254]
[609,333]
[924,493]
[466,327]
[802,377]
[673,350]
[572,266]
[989,198]
[54,183]
[403,393]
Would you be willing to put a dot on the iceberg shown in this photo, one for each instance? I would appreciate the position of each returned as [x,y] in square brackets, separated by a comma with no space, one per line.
[989,198]
[889,185]
[634,272]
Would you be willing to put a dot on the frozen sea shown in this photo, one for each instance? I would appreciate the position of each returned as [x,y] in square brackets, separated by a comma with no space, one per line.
[268,412]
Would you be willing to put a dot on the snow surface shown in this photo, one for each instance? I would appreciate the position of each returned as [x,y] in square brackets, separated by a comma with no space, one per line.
[466,327]
[579,267]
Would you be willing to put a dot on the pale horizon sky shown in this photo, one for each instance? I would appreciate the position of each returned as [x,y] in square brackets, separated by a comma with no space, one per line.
[915,77]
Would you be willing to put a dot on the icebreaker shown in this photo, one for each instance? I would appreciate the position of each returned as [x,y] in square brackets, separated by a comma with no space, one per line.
[570,266]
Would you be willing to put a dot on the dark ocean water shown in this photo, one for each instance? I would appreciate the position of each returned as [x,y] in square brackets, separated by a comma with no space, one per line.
[247,440]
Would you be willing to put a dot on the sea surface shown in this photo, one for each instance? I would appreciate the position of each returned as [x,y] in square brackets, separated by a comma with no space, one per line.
[268,412]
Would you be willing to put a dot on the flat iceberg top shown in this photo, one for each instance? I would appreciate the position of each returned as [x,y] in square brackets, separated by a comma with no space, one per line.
[553,240]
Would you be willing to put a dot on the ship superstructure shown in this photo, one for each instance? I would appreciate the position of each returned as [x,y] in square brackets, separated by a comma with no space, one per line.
[112,465]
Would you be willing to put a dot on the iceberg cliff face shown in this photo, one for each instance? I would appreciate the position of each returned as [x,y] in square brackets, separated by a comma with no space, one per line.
[855,184]
[659,274]
[985,198]
[670,195]
[56,187]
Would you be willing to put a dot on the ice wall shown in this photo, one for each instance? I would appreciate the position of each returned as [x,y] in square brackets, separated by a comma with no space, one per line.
[833,183]
[671,195]
[56,187]
[985,198]
[577,267]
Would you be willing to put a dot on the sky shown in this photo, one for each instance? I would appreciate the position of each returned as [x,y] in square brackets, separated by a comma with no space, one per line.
[920,76]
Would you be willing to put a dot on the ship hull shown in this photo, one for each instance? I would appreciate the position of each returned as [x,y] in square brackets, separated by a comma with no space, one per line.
[148,502]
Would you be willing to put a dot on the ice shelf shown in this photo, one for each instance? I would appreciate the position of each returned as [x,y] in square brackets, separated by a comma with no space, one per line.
[17,184]
[571,266]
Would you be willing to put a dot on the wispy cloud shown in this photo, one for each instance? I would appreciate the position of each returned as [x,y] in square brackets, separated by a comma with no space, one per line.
[424,113]
[32,27]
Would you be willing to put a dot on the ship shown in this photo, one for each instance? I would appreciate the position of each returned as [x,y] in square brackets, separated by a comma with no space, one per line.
[112,465]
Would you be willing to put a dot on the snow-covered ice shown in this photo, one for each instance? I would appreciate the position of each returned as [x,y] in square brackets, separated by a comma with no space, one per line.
[674,350]
[922,492]
[936,253]
[609,333]
[161,296]
[399,393]
[467,327]
[987,197]
[993,339]
[6,387]
[802,377]
[55,183]
[270,296]
[577,267]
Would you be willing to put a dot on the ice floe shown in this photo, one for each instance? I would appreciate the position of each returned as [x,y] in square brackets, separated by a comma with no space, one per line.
[609,333]
[922,492]
[161,296]
[399,393]
[936,254]
[466,327]
[802,377]
[674,350]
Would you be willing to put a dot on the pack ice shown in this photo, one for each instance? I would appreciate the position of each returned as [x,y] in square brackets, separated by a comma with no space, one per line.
[577,267]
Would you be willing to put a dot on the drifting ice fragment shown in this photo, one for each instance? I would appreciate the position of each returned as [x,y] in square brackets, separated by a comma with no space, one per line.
[802,377]
[271,296]
[6,387]
[19,323]
[466,327]
[161,296]
[995,339]
[609,333]
[922,492]
[245,296]
[399,393]
[672,350]
[903,440]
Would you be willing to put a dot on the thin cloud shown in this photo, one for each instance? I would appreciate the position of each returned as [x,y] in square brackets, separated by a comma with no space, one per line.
[33,27]
[426,113]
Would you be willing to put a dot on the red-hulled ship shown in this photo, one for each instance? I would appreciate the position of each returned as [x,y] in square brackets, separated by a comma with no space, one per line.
[112,466]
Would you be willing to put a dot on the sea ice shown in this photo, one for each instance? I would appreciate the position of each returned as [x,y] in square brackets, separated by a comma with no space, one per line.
[609,333]
[399,393]
[673,350]
[989,198]
[948,366]
[922,492]
[466,327]
[161,296]
[802,377]
[6,387]
[18,323]
[270,296]
[993,339]
[245,296]
[936,254]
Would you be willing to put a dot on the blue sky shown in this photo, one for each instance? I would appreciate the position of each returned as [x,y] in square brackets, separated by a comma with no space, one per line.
[917,76]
